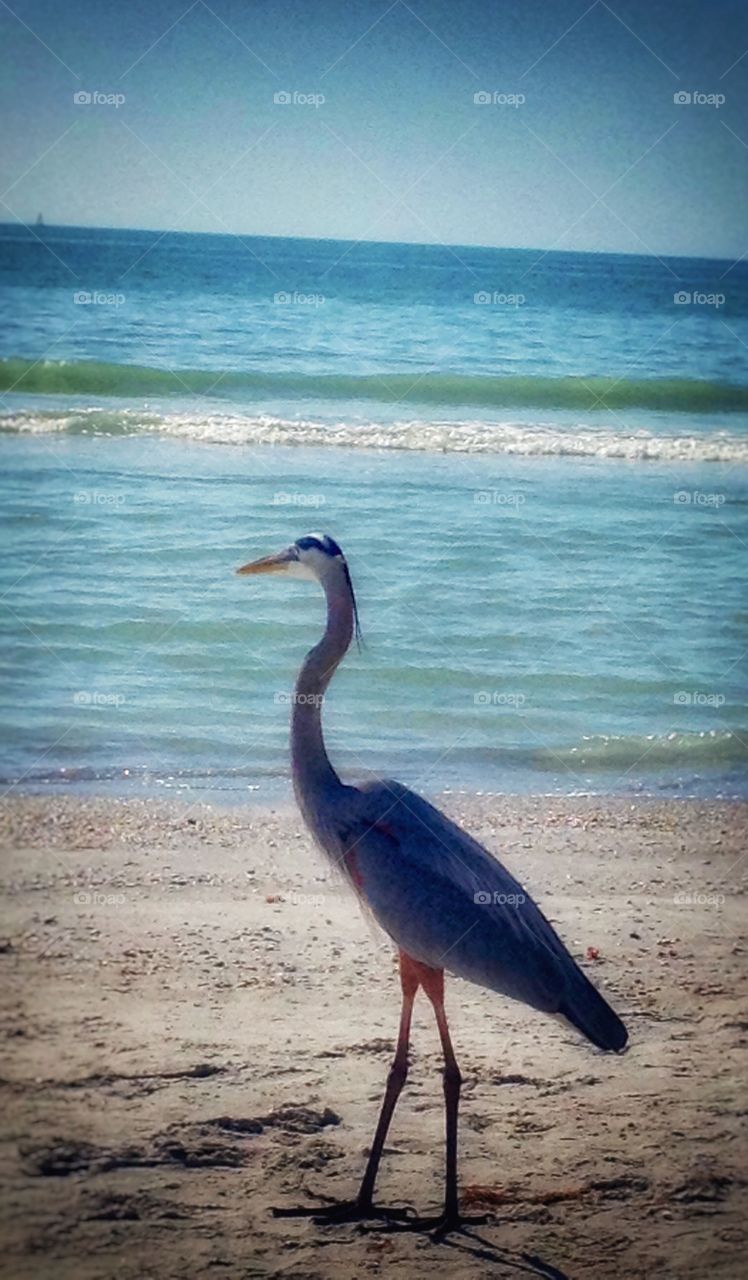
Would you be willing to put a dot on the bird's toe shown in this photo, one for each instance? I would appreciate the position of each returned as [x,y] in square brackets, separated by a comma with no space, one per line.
[345,1211]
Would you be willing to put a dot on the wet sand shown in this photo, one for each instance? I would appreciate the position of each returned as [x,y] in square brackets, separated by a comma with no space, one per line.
[198,1024]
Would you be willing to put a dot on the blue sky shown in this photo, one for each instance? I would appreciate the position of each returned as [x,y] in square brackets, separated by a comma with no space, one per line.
[598,156]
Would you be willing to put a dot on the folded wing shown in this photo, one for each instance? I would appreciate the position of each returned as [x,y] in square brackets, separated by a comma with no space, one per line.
[447,902]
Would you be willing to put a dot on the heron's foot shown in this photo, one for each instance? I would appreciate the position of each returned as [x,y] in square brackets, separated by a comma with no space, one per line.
[443,1224]
[346,1211]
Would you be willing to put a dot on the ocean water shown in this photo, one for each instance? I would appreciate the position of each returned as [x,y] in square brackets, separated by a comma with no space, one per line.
[536,465]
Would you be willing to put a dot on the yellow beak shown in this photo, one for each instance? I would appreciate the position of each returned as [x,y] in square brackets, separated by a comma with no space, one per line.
[269,564]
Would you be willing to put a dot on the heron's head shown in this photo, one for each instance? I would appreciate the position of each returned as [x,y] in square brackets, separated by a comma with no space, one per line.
[316,556]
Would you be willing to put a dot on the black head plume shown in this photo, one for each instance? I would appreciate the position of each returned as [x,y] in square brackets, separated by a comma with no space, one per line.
[323,542]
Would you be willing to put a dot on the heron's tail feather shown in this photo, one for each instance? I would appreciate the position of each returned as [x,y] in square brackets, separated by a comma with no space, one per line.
[592,1015]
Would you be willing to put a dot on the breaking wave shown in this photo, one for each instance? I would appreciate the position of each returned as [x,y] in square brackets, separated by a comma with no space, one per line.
[476,437]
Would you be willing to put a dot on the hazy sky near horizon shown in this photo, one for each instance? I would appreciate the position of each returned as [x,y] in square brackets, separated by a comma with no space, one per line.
[598,156]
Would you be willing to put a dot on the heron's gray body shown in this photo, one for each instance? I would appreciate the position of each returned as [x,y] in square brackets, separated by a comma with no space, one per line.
[439,894]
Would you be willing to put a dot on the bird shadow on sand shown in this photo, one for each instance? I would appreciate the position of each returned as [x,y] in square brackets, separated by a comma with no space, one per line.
[470,1243]
[402,1219]
[487,1251]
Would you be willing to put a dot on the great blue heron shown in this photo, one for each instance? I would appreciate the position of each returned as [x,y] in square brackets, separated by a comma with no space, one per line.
[445,900]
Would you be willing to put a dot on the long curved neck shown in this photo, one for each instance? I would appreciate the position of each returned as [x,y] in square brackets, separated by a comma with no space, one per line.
[312,772]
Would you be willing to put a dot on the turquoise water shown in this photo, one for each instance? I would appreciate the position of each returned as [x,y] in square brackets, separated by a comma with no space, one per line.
[543,504]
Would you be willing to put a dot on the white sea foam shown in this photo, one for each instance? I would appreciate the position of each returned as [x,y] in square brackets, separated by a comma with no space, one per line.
[474,437]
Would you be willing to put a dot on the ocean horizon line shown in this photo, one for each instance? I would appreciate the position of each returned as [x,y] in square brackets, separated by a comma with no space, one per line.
[161,232]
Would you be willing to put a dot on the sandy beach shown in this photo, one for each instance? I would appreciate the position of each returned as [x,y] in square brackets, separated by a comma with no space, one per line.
[198,1024]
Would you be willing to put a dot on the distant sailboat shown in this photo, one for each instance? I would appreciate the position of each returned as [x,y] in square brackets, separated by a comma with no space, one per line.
[39,220]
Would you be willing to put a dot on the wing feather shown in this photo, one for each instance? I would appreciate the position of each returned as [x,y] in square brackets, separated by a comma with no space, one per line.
[447,902]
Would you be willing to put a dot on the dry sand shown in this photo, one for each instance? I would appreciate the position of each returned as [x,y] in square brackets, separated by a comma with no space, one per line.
[198,1024]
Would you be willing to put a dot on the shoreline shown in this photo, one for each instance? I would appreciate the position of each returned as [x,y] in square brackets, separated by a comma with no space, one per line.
[199,1024]
[274,790]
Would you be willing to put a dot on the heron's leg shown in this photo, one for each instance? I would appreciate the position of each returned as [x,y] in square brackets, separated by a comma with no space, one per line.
[398,1074]
[432,981]
[363,1206]
[434,988]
